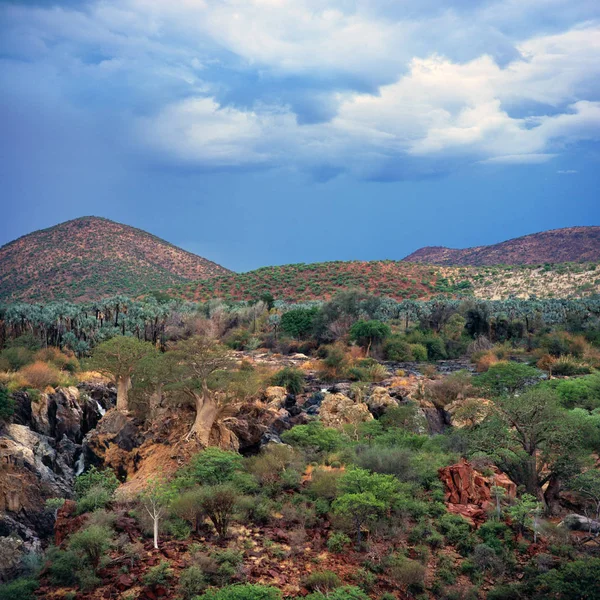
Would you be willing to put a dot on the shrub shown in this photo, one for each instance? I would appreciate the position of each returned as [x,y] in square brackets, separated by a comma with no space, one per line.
[65,565]
[7,404]
[94,477]
[16,357]
[506,378]
[246,591]
[419,352]
[158,575]
[569,366]
[93,542]
[212,466]
[219,503]
[396,348]
[96,497]
[337,541]
[299,322]
[347,592]
[192,581]
[485,559]
[188,506]
[314,436]
[407,572]
[291,379]
[19,589]
[322,581]
[40,375]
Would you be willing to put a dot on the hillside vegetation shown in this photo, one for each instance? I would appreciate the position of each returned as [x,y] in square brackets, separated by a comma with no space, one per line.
[91,258]
[571,244]
[398,280]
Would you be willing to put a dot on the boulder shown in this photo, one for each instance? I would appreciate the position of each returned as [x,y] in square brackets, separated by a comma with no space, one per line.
[580,523]
[338,410]
[468,492]
[275,396]
[380,400]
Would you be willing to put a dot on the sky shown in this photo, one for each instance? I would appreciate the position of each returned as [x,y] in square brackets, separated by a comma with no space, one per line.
[260,132]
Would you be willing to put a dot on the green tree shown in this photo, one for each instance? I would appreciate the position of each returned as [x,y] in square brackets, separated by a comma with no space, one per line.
[219,503]
[507,378]
[298,322]
[155,499]
[118,358]
[367,333]
[533,440]
[524,512]
[195,365]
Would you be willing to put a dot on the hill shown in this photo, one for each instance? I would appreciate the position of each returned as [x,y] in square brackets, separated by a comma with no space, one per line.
[571,244]
[90,258]
[398,280]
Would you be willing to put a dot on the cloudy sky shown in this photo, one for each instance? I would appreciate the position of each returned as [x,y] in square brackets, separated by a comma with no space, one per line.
[260,132]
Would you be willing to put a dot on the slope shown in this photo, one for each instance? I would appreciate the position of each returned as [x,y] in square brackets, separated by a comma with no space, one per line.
[90,258]
[571,244]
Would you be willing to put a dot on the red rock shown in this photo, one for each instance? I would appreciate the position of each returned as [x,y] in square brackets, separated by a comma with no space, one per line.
[468,492]
[124,582]
[66,522]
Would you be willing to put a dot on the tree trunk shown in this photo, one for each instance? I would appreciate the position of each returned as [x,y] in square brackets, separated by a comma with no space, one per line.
[206,413]
[123,387]
[156,533]
[155,400]
[551,495]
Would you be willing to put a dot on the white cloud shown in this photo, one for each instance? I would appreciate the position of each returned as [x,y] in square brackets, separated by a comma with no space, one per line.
[443,86]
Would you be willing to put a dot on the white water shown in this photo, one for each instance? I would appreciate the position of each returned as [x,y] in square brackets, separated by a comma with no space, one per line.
[101,410]
[80,464]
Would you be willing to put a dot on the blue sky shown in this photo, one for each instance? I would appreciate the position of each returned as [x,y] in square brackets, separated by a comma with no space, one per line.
[258,132]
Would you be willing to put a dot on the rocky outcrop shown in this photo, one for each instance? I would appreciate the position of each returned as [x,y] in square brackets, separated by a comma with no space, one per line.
[468,492]
[338,410]
[67,522]
[40,455]
[380,400]
[114,442]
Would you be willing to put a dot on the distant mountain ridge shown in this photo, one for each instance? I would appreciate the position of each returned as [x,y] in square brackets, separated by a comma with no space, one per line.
[90,258]
[570,244]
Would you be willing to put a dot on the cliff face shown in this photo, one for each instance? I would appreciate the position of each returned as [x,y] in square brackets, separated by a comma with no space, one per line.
[41,452]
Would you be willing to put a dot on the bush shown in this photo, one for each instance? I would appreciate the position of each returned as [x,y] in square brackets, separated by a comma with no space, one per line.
[192,581]
[65,566]
[7,404]
[246,591]
[419,352]
[322,581]
[158,575]
[19,589]
[291,379]
[93,542]
[40,375]
[96,497]
[17,357]
[407,572]
[569,366]
[94,477]
[396,348]
[298,322]
[337,541]
[506,378]
[218,503]
[212,466]
[347,592]
[314,436]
